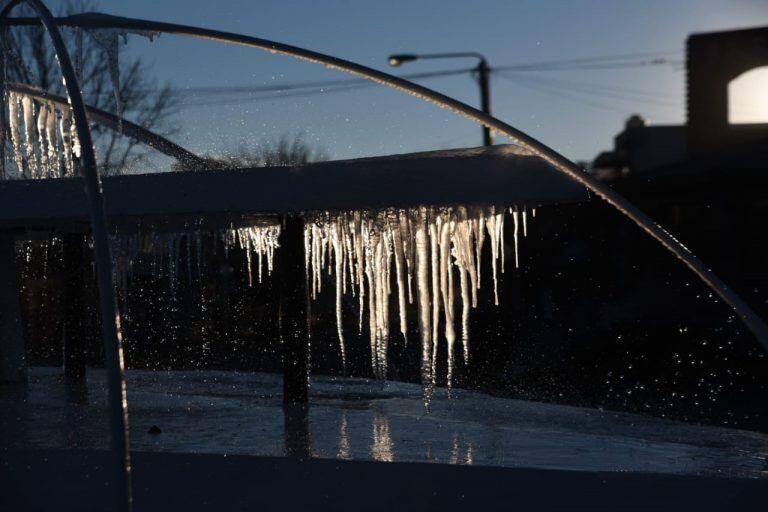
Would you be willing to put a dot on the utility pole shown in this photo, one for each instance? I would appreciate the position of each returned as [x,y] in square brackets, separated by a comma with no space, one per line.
[483,71]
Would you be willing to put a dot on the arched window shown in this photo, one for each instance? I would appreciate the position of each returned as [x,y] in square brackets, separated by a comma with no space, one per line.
[748,97]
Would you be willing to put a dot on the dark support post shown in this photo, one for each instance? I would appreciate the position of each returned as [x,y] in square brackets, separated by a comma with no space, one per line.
[297,437]
[73,260]
[483,72]
[294,312]
[13,367]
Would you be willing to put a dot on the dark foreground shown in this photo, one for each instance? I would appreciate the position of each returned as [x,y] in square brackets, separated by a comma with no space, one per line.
[64,480]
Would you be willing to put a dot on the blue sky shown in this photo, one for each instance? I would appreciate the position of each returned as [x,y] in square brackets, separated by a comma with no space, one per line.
[577,111]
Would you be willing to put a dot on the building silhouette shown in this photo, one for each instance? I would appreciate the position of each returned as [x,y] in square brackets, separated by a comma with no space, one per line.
[707,180]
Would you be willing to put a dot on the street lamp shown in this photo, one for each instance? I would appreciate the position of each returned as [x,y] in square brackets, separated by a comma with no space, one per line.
[483,72]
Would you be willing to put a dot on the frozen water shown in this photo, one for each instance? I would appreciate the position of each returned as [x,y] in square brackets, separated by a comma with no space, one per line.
[28,107]
[433,243]
[107,40]
[241,413]
[14,125]
[43,137]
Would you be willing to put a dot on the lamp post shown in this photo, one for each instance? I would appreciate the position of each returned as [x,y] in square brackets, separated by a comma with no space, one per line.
[483,72]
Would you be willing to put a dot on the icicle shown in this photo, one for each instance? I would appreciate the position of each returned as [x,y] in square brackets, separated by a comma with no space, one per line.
[14,126]
[500,236]
[514,218]
[372,306]
[357,234]
[65,127]
[424,303]
[54,165]
[29,135]
[525,222]
[350,252]
[75,139]
[399,272]
[479,230]
[339,266]
[446,292]
[382,303]
[339,226]
[493,233]
[434,230]
[464,249]
[259,240]
[79,55]
[107,39]
[42,123]
[406,238]
[307,248]
[464,312]
[248,259]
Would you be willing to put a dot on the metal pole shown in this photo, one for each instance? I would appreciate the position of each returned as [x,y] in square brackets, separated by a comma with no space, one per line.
[113,347]
[294,312]
[483,78]
[483,72]
[73,268]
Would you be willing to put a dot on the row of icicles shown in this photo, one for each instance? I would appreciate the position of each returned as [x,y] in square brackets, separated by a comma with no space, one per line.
[430,256]
[258,242]
[43,137]
[425,252]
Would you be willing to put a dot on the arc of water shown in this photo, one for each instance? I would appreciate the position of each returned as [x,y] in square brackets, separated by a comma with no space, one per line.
[110,323]
[558,161]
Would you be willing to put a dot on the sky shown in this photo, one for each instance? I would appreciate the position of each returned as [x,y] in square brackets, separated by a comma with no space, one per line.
[575,111]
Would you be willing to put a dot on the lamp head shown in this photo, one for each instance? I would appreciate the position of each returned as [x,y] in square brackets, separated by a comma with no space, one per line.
[398,59]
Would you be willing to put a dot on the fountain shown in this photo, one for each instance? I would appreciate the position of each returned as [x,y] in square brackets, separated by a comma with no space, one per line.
[342,217]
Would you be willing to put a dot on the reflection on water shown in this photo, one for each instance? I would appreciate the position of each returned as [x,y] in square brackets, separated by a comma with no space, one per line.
[381,445]
[344,451]
[76,391]
[298,441]
[459,455]
[242,413]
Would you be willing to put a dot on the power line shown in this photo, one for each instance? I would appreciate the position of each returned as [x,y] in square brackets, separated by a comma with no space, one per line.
[329,87]
[615,59]
[606,62]
[559,93]
[243,89]
[601,90]
[300,89]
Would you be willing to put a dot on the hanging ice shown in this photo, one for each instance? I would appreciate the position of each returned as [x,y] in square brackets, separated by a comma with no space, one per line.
[65,128]
[14,110]
[79,55]
[53,143]
[29,135]
[107,40]
[427,247]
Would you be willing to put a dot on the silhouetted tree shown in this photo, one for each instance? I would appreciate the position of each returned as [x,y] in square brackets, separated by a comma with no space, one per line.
[285,150]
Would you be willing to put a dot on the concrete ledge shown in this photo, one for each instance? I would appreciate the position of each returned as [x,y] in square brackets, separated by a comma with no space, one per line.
[65,480]
[494,175]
